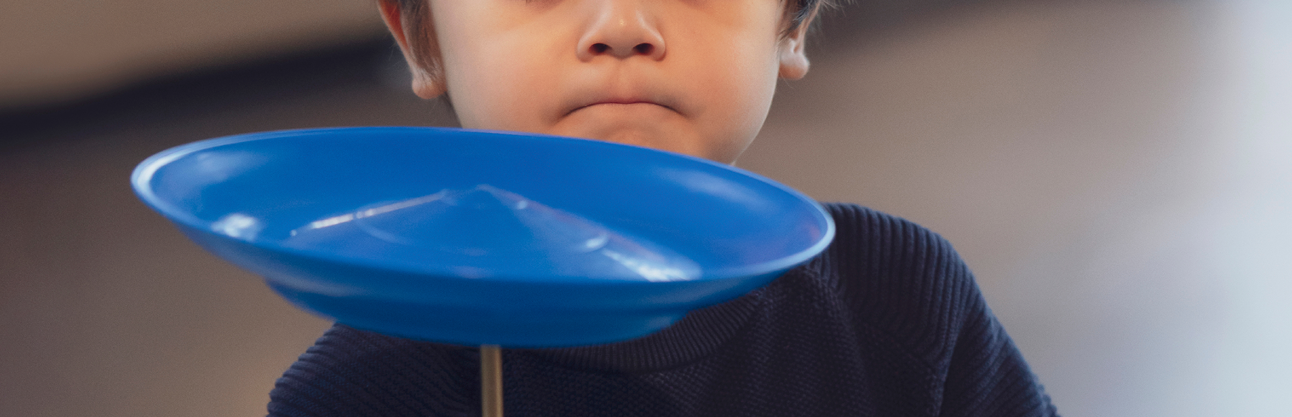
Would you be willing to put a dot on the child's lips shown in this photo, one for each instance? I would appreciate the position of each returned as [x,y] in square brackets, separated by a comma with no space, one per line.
[618,103]
[621,100]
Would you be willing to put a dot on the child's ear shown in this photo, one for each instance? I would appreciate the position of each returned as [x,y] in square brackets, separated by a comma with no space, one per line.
[793,56]
[422,53]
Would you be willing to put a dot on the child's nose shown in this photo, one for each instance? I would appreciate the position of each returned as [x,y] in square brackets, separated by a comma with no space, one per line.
[622,29]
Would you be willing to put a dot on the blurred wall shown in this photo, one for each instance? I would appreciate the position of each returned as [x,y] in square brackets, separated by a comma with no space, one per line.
[57,50]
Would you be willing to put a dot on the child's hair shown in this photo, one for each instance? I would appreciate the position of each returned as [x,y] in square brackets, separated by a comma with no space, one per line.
[414,15]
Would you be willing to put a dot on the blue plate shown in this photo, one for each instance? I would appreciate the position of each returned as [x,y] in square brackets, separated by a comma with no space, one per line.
[477,237]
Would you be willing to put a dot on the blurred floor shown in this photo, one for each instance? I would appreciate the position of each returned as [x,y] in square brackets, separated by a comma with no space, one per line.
[1117,174]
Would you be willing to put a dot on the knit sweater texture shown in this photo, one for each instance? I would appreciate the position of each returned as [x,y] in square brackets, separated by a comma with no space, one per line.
[888,321]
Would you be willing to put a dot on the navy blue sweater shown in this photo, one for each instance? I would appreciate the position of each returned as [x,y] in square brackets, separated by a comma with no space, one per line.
[886,322]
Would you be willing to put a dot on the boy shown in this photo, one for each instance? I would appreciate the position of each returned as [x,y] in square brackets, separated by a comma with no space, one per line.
[888,321]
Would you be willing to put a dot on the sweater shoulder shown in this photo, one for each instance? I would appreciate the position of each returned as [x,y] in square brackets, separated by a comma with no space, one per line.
[901,279]
[875,250]
[352,372]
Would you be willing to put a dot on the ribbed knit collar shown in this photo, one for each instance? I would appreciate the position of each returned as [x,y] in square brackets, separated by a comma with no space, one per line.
[697,335]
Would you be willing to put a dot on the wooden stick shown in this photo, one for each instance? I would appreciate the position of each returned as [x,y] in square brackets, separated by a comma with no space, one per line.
[491,380]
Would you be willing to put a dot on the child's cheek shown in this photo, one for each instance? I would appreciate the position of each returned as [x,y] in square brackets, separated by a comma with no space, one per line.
[495,68]
[500,86]
[738,80]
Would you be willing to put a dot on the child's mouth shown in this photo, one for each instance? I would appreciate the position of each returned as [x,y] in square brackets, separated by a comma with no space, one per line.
[620,103]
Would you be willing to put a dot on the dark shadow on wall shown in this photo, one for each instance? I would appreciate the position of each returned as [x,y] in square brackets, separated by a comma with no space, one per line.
[212,89]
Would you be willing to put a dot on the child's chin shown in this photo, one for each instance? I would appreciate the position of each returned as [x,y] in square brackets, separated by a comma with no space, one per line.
[653,139]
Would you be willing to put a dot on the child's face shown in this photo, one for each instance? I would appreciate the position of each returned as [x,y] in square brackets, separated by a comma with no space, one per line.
[689,76]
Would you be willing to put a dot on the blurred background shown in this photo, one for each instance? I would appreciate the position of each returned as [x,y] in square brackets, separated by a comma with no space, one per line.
[1118,174]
